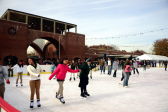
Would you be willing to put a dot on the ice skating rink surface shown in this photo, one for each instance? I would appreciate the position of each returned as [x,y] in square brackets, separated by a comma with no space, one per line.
[147,92]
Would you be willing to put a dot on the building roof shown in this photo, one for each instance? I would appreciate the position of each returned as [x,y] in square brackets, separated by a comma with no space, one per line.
[25,13]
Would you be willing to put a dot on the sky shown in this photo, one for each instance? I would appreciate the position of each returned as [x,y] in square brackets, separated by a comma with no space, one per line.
[128,24]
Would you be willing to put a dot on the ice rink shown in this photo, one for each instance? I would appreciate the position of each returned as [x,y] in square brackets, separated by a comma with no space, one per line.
[147,92]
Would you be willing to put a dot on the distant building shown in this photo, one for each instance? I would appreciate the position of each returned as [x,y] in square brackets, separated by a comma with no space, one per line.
[102,50]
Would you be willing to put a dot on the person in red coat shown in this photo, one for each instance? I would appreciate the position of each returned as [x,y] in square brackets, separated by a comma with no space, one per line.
[60,73]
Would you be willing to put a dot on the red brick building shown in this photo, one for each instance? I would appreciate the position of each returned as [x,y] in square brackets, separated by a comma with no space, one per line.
[18,30]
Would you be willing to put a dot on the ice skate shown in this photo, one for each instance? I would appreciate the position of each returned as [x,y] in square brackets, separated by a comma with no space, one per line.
[57,96]
[83,95]
[38,103]
[86,93]
[31,104]
[62,100]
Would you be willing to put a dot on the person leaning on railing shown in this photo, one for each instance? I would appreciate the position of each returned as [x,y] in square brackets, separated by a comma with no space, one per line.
[3,75]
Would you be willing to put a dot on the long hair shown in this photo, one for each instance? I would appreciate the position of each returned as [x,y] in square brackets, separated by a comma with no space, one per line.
[34,61]
[20,65]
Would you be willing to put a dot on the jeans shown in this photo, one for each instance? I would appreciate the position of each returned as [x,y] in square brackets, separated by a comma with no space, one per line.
[109,69]
[102,68]
[126,78]
[165,68]
[144,67]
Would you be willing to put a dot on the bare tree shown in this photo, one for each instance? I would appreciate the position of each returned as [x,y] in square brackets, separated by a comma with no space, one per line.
[160,47]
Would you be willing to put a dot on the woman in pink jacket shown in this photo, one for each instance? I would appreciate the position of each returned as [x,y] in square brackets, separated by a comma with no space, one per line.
[60,73]
[127,73]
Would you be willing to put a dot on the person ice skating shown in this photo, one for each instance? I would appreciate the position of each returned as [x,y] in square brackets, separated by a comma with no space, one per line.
[115,67]
[127,73]
[60,73]
[73,67]
[19,71]
[54,65]
[135,67]
[165,65]
[102,65]
[122,67]
[34,70]
[91,66]
[10,69]
[3,77]
[144,65]
[78,64]
[109,64]
[53,68]
[84,80]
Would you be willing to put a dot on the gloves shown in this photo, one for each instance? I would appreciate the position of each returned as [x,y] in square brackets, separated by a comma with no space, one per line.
[7,81]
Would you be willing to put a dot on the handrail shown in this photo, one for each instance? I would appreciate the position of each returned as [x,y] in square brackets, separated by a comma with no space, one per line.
[7,107]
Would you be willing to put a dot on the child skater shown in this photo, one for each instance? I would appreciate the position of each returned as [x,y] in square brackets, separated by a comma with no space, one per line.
[19,70]
[127,73]
[73,66]
[60,73]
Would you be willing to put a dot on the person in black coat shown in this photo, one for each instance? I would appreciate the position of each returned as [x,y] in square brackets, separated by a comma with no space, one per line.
[84,80]
[165,65]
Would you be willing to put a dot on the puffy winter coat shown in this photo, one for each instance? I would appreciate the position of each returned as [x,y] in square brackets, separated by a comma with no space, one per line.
[61,71]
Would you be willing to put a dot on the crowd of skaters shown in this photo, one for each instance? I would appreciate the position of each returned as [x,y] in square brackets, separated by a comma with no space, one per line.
[60,67]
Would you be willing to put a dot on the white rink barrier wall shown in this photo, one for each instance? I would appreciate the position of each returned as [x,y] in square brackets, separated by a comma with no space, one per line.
[46,69]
